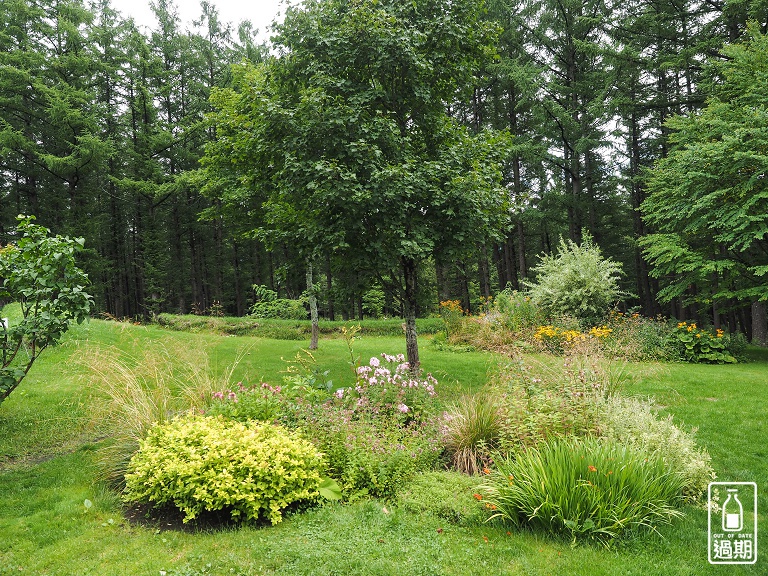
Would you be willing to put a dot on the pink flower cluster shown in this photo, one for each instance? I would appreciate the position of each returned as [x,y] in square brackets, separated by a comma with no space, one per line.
[232,395]
[396,377]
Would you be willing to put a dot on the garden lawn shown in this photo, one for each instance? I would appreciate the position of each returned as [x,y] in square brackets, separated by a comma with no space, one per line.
[47,475]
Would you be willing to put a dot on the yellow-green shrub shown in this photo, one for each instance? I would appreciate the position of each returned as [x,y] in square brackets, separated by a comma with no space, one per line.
[197,463]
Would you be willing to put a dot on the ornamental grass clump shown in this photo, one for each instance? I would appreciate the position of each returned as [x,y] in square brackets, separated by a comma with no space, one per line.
[199,464]
[634,422]
[472,430]
[583,488]
[130,394]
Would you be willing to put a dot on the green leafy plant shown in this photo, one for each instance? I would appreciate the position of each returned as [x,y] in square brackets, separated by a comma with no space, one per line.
[370,456]
[543,401]
[696,345]
[377,434]
[280,308]
[584,488]
[252,471]
[518,311]
[452,314]
[577,281]
[444,494]
[305,378]
[256,402]
[39,272]
[636,337]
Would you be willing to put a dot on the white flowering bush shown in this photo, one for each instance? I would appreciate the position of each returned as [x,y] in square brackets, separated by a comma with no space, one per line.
[577,281]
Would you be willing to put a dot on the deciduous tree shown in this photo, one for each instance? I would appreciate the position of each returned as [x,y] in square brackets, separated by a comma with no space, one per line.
[346,141]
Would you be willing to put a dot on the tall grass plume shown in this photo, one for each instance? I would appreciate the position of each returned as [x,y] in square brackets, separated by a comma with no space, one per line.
[131,393]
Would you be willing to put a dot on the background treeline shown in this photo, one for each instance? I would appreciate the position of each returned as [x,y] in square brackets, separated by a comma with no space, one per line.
[102,125]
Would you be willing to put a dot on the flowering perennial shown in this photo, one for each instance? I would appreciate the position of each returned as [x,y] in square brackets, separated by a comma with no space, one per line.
[389,386]
[554,338]
[697,345]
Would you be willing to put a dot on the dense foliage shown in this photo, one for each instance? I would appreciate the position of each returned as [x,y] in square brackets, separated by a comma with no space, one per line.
[577,281]
[38,272]
[102,125]
[708,198]
[584,488]
[343,143]
[201,464]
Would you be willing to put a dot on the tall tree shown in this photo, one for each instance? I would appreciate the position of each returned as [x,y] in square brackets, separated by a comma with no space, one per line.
[347,138]
[709,199]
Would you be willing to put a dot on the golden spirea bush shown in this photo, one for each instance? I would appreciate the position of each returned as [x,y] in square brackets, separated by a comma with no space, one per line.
[252,470]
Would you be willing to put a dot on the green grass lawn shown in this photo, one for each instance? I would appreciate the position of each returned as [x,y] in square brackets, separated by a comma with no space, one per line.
[47,474]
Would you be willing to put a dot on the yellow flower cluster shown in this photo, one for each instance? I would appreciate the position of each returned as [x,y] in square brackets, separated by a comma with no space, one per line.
[555,333]
[600,332]
[451,306]
[692,327]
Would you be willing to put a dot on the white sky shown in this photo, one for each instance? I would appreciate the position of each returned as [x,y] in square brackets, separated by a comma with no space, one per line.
[260,12]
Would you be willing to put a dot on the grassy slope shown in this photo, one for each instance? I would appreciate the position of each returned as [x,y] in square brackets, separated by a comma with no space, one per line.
[46,475]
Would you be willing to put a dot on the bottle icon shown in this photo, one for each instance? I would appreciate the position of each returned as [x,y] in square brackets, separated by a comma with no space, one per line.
[733,512]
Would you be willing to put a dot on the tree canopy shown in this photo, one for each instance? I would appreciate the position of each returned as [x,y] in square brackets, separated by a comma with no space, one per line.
[708,200]
[412,125]
[343,143]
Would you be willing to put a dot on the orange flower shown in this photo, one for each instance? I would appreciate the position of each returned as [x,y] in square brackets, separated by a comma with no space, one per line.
[477,496]
[486,471]
[592,468]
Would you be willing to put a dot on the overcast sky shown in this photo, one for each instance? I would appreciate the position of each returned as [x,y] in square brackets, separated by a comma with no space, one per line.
[259,12]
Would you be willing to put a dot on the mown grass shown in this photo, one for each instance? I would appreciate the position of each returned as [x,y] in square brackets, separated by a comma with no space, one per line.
[47,472]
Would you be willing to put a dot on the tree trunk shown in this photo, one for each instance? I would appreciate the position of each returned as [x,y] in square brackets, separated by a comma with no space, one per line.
[522,268]
[239,300]
[759,324]
[411,342]
[312,308]
[443,287]
[329,286]
[466,299]
[484,273]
